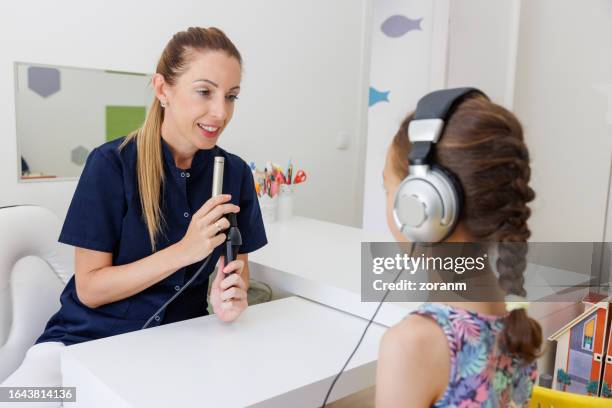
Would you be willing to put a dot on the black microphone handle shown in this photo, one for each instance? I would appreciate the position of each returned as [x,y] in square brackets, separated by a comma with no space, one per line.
[230,253]
[233,240]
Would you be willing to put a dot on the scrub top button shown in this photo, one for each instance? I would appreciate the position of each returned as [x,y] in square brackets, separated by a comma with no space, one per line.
[157,318]
[186,215]
[177,288]
[187,174]
[182,174]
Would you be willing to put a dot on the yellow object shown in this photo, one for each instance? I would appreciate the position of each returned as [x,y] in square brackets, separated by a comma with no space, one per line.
[546,398]
[514,302]
[589,328]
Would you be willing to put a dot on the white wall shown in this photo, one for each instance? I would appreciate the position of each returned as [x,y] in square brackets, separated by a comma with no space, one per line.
[302,81]
[483,36]
[463,43]
[551,63]
[408,67]
[563,97]
[608,237]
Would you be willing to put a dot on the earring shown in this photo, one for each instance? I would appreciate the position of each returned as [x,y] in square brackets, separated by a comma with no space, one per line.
[163,104]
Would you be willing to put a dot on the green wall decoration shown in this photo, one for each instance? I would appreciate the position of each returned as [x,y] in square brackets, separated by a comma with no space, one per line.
[121,120]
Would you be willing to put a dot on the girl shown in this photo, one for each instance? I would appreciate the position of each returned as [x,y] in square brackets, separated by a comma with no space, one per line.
[142,218]
[468,354]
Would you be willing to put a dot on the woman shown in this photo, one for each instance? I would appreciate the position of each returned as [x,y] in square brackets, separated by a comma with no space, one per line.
[142,219]
[468,354]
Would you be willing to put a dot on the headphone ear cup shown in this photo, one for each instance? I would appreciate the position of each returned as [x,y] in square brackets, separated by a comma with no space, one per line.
[409,208]
[452,198]
[455,185]
[418,209]
[426,207]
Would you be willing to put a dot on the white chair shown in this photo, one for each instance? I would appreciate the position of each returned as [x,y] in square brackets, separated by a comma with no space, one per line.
[34,268]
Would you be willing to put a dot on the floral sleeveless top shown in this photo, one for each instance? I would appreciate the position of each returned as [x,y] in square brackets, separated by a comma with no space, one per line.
[481,376]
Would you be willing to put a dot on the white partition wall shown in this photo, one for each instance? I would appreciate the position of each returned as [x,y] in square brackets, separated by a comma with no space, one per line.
[483,37]
[564,99]
[408,59]
[551,65]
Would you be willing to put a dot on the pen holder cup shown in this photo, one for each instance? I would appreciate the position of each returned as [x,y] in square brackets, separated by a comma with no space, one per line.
[268,206]
[285,202]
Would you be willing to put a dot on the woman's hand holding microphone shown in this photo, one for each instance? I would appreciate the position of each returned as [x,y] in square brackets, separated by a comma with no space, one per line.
[228,294]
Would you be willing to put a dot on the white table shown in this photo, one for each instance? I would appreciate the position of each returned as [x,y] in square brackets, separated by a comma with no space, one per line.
[284,353]
[321,261]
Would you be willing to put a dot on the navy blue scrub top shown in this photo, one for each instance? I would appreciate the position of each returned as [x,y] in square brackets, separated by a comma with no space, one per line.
[105,215]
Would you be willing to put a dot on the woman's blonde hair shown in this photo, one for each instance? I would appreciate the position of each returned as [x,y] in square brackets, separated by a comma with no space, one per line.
[149,164]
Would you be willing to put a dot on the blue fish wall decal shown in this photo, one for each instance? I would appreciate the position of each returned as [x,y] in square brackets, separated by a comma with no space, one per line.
[377,96]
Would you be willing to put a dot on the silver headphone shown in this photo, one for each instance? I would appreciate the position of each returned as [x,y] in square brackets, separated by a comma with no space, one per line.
[428,202]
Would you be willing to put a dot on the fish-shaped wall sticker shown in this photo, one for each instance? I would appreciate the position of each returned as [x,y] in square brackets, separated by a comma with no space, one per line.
[377,96]
[398,25]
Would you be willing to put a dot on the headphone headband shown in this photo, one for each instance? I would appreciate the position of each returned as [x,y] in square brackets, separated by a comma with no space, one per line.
[427,126]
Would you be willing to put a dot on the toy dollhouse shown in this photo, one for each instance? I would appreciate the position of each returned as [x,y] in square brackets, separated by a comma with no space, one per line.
[583,362]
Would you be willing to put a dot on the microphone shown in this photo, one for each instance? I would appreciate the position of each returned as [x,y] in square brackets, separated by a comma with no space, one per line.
[232,243]
[234,239]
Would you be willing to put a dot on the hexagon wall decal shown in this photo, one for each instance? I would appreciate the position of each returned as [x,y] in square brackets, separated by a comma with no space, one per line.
[44,81]
[78,155]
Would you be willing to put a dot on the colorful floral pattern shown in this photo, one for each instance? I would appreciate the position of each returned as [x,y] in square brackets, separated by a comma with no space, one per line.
[481,375]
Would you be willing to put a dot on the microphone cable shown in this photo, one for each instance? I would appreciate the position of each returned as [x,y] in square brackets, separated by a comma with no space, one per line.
[331,387]
[179,292]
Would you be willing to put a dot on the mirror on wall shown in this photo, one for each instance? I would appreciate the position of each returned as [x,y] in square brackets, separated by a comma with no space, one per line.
[62,113]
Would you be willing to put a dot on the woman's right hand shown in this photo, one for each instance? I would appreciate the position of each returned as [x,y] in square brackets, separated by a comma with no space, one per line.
[202,235]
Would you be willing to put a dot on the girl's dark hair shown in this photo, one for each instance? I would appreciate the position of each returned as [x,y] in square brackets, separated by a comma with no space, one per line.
[483,146]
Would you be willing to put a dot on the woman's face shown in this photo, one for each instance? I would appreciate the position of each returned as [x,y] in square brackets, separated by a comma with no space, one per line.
[391,182]
[201,102]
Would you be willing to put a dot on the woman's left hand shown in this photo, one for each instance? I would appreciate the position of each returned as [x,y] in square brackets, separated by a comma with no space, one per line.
[228,294]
